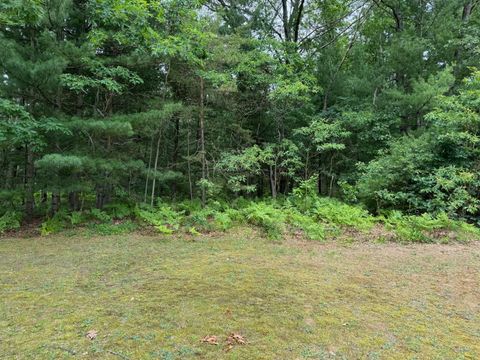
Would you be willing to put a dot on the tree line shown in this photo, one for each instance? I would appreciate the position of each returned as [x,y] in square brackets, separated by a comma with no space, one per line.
[107,101]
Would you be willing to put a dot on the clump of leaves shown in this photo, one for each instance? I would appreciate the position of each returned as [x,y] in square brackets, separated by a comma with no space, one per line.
[100,215]
[200,220]
[427,228]
[54,224]
[332,211]
[10,221]
[120,210]
[270,219]
[164,219]
[76,218]
[210,339]
[311,228]
[235,339]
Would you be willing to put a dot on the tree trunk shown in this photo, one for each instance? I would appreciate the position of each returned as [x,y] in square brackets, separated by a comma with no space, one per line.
[273,182]
[148,171]
[44,197]
[100,197]
[55,202]
[9,175]
[189,167]
[176,149]
[467,11]
[29,197]
[152,198]
[73,200]
[202,139]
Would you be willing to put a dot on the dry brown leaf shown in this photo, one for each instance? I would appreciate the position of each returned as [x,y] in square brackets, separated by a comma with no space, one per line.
[236,339]
[210,339]
[92,334]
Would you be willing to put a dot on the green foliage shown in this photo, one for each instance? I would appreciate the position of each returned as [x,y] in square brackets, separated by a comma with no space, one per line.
[167,100]
[120,210]
[310,227]
[10,220]
[266,216]
[104,229]
[326,210]
[334,212]
[224,220]
[163,218]
[100,215]
[427,228]
[77,218]
[305,195]
[54,224]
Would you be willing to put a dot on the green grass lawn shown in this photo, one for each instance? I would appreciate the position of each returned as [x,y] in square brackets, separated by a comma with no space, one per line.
[154,297]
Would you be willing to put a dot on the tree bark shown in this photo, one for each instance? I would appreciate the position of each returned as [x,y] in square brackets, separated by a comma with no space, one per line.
[176,149]
[273,182]
[73,200]
[55,202]
[152,198]
[9,175]
[29,197]
[189,167]
[148,171]
[202,139]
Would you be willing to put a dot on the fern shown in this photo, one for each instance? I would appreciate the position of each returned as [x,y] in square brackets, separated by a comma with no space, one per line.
[10,221]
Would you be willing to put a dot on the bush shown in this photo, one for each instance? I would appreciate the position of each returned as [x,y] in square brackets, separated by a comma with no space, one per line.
[427,228]
[312,229]
[77,218]
[223,220]
[11,220]
[164,219]
[270,219]
[334,212]
[54,224]
[100,215]
[305,196]
[200,220]
[120,210]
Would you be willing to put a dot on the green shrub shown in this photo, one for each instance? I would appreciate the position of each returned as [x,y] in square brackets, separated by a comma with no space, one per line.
[76,218]
[305,196]
[164,219]
[223,221]
[312,229]
[11,220]
[210,219]
[100,215]
[425,228]
[189,206]
[334,212]
[54,224]
[119,210]
[270,219]
[200,220]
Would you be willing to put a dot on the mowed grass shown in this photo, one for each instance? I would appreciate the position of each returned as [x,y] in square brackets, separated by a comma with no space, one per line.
[153,297]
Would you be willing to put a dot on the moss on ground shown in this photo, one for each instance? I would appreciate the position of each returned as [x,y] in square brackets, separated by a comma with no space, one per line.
[152,297]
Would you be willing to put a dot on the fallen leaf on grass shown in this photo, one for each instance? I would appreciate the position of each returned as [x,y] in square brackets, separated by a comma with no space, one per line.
[210,339]
[235,339]
[92,334]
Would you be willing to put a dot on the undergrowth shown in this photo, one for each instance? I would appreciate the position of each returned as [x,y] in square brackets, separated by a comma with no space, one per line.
[303,214]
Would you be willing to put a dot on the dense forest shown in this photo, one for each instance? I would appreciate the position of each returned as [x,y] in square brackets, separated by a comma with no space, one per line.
[104,102]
